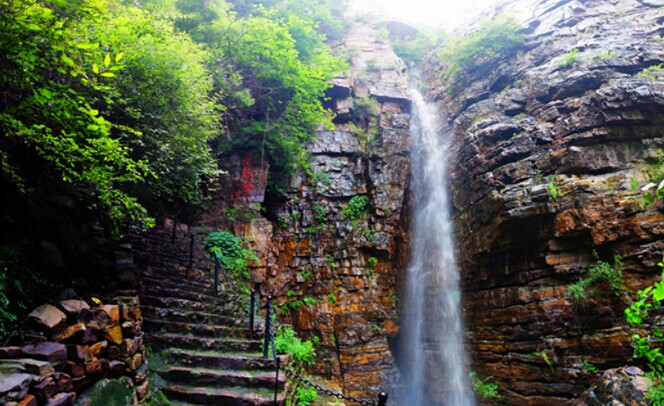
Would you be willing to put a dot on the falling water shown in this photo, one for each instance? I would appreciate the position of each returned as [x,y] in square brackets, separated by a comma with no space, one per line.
[433,356]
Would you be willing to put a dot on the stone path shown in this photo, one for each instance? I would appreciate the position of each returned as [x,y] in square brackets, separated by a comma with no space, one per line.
[204,354]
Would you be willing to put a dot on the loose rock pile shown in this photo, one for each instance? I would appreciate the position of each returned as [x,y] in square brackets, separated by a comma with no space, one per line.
[80,345]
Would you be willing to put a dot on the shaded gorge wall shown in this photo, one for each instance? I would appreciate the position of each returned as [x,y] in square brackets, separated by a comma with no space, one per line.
[545,140]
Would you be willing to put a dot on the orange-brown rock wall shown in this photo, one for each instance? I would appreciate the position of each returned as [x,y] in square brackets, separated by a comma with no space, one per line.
[544,150]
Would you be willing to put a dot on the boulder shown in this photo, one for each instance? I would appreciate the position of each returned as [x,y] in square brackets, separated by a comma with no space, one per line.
[39,369]
[11,352]
[14,386]
[73,307]
[72,333]
[63,382]
[44,389]
[99,349]
[114,335]
[627,385]
[55,353]
[47,318]
[62,399]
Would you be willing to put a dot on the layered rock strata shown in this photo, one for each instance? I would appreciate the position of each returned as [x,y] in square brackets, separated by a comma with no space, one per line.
[546,140]
[328,246]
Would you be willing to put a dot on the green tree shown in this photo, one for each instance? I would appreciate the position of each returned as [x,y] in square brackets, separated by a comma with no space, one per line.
[54,81]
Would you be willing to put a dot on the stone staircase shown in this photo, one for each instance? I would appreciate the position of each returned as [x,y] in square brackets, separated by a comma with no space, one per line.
[205,356]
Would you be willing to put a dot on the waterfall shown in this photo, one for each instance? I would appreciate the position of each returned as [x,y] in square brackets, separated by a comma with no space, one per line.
[433,360]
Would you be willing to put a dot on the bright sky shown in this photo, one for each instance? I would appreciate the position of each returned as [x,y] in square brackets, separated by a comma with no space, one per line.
[445,14]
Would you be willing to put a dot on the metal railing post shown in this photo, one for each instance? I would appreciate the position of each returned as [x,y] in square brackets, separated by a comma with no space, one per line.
[268,328]
[216,275]
[252,310]
[192,239]
[382,399]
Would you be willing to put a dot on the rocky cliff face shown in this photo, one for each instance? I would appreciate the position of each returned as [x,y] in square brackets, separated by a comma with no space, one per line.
[329,246]
[545,143]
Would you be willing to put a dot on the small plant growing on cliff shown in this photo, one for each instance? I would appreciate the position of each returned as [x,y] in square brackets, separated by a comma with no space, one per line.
[484,388]
[648,347]
[231,252]
[372,262]
[493,38]
[601,272]
[321,178]
[356,208]
[569,58]
[318,210]
[551,187]
[652,72]
[331,298]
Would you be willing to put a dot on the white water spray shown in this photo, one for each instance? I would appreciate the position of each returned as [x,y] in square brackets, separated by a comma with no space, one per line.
[433,361]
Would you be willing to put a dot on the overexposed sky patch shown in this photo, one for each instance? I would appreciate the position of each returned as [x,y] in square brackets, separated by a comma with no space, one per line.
[440,14]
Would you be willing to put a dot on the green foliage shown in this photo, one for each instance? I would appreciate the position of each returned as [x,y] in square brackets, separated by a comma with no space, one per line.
[606,55]
[283,223]
[551,187]
[318,210]
[278,61]
[165,98]
[652,72]
[484,388]
[305,395]
[321,178]
[601,272]
[364,107]
[500,36]
[57,80]
[286,342]
[412,51]
[372,262]
[232,253]
[589,367]
[569,58]
[306,274]
[648,347]
[331,298]
[356,208]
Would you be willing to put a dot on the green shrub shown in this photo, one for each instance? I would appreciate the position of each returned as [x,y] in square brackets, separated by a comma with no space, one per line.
[286,342]
[648,347]
[569,58]
[601,272]
[412,51]
[491,39]
[232,253]
[305,395]
[318,210]
[484,388]
[356,208]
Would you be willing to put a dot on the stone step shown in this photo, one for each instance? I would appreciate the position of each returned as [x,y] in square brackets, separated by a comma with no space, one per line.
[212,306]
[157,326]
[181,282]
[187,316]
[202,343]
[214,359]
[220,378]
[223,396]
[159,289]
